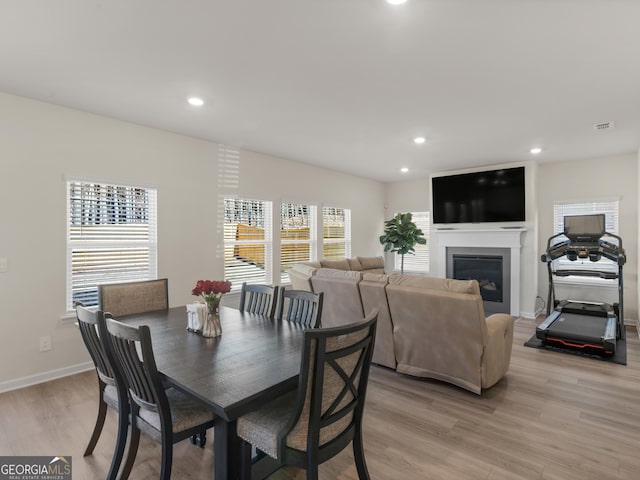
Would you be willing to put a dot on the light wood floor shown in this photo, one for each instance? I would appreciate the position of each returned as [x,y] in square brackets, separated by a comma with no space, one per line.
[553,417]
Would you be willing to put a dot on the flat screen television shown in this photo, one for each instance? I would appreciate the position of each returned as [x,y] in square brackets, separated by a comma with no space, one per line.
[478,197]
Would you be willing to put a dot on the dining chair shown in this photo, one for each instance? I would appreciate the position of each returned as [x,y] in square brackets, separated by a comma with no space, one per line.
[167,415]
[129,298]
[111,392]
[302,307]
[312,424]
[260,299]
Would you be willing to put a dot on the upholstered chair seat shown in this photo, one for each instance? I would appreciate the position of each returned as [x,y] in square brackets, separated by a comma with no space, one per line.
[309,426]
[165,414]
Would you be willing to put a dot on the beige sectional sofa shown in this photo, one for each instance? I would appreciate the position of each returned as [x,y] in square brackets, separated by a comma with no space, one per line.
[427,327]
[301,273]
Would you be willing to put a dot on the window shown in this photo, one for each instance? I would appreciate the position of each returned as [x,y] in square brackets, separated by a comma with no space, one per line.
[336,236]
[562,209]
[419,262]
[247,241]
[297,236]
[111,237]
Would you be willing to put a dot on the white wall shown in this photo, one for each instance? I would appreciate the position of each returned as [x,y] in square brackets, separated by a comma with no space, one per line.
[610,177]
[40,144]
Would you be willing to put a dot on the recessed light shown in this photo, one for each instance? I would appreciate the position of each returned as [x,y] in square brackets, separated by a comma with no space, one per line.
[419,140]
[535,150]
[396,2]
[404,169]
[195,101]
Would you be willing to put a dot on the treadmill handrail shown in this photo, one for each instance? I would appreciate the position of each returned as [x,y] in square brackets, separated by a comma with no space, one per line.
[587,273]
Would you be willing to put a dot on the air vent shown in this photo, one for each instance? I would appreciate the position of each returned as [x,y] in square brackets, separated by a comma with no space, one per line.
[604,126]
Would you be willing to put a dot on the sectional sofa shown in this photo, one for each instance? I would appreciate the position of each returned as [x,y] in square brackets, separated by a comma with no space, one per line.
[427,327]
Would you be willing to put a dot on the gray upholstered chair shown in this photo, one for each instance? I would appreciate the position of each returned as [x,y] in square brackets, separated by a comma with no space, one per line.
[166,415]
[129,298]
[260,299]
[302,307]
[311,425]
[111,393]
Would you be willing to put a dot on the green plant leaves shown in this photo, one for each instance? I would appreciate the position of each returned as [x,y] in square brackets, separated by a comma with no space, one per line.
[401,235]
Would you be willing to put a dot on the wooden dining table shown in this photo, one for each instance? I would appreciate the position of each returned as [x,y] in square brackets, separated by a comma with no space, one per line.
[255,360]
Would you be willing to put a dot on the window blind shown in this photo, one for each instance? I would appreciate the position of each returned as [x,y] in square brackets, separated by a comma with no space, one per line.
[247,241]
[111,237]
[609,207]
[336,237]
[418,263]
[297,236]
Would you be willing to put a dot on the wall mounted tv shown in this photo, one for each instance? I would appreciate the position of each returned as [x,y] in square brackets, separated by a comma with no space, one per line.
[488,196]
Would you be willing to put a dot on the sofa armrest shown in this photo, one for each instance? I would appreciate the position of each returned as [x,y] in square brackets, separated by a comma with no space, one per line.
[497,352]
[300,276]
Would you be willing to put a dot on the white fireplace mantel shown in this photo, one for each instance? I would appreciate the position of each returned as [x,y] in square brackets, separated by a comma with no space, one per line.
[483,238]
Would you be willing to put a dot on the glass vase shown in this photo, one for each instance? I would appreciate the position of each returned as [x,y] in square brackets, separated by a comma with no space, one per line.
[212,327]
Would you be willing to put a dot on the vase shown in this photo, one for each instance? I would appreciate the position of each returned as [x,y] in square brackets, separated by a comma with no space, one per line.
[212,327]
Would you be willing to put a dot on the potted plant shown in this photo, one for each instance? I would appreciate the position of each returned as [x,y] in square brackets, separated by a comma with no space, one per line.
[401,236]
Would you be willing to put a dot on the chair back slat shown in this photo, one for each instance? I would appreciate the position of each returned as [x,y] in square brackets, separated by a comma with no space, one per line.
[333,384]
[88,325]
[141,374]
[259,299]
[302,307]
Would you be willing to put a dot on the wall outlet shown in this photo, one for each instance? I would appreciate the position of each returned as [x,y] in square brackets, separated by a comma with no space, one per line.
[45,343]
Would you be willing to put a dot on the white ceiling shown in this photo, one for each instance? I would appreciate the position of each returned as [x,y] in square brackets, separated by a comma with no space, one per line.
[344,84]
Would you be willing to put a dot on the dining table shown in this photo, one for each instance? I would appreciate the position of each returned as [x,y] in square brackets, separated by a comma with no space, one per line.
[256,359]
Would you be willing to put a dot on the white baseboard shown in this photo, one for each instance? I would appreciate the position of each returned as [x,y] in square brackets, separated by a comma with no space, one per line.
[44,377]
[528,315]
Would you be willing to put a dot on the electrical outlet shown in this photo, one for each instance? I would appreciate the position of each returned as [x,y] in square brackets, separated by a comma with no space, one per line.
[45,343]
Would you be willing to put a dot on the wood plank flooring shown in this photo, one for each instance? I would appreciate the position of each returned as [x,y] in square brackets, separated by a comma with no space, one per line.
[553,417]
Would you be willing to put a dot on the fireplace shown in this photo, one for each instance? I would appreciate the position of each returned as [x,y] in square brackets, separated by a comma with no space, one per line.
[491,267]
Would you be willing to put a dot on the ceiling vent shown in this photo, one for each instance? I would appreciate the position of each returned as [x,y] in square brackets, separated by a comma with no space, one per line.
[604,126]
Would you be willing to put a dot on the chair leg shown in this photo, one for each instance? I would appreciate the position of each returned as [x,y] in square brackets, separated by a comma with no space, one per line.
[123,427]
[97,429]
[131,454]
[245,460]
[167,458]
[312,472]
[358,454]
[199,439]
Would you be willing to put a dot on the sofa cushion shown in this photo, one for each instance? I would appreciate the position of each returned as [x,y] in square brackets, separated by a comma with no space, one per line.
[336,264]
[369,263]
[441,284]
[375,277]
[354,264]
[334,273]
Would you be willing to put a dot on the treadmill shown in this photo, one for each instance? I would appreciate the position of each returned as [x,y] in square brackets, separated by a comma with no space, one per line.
[587,326]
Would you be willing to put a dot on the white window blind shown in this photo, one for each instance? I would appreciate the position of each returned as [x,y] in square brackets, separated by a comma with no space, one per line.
[562,209]
[297,236]
[247,241]
[418,263]
[336,237]
[111,237]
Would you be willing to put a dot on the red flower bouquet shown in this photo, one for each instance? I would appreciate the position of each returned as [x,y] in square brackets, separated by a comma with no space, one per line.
[211,291]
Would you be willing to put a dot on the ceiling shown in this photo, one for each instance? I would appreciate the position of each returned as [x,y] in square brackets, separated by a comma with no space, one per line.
[344,84]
